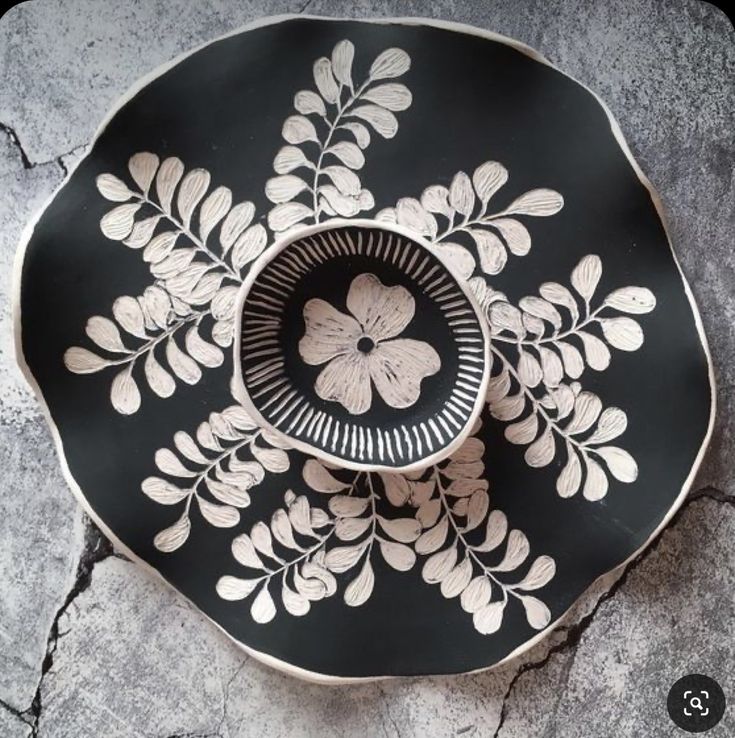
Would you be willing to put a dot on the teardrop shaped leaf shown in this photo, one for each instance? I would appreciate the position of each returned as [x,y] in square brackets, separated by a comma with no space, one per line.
[282,217]
[167,180]
[634,300]
[324,80]
[612,423]
[495,531]
[382,120]
[358,591]
[457,257]
[488,178]
[540,574]
[586,275]
[342,56]
[457,580]
[112,188]
[182,365]
[342,558]
[308,102]
[621,464]
[537,613]
[192,189]
[237,220]
[284,188]
[570,479]
[298,129]
[273,459]
[461,194]
[319,479]
[390,63]
[143,167]
[541,202]
[204,352]
[160,246]
[233,588]
[438,566]
[295,603]
[397,555]
[82,361]
[348,153]
[214,208]
[282,530]
[541,452]
[141,233]
[431,540]
[118,223]
[263,609]
[124,393]
[159,380]
[170,539]
[622,333]
[344,506]
[405,530]
[489,618]
[596,484]
[162,491]
[516,552]
[476,595]
[392,96]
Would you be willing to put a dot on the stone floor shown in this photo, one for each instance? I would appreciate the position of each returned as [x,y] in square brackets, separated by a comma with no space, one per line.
[69,606]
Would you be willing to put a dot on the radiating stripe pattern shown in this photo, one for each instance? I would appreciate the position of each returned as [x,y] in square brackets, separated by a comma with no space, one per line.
[393,439]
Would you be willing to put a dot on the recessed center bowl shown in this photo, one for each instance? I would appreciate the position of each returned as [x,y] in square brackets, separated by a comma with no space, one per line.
[358,345]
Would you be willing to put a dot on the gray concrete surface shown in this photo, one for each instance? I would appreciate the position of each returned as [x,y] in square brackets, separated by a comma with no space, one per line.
[69,606]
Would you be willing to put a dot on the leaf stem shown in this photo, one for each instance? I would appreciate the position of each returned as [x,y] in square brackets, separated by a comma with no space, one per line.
[190,235]
[505,588]
[374,514]
[308,552]
[537,407]
[153,342]
[572,331]
[466,223]
[215,463]
[341,110]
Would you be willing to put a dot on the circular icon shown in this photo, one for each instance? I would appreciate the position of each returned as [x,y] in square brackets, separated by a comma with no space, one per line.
[696,703]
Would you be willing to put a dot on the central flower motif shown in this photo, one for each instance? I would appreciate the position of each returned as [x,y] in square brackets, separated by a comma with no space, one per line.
[362,348]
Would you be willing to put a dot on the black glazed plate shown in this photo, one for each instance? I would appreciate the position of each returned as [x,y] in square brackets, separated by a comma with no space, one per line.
[598,400]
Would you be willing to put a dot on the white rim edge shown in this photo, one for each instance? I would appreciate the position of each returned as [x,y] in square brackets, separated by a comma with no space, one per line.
[27,233]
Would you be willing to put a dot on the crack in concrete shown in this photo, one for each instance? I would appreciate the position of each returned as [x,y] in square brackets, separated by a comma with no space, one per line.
[389,714]
[226,697]
[13,136]
[575,632]
[15,712]
[96,549]
[10,132]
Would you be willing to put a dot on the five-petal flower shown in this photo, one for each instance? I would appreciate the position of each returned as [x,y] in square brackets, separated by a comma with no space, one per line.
[362,347]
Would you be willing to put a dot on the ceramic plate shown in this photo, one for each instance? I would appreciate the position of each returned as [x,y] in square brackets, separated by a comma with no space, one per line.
[369,339]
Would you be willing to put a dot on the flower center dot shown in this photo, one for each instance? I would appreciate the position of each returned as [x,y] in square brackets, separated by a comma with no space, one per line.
[365,344]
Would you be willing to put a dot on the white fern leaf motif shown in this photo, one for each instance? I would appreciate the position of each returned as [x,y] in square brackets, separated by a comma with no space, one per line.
[537,392]
[195,282]
[465,209]
[328,135]
[198,245]
[305,548]
[451,508]
[218,467]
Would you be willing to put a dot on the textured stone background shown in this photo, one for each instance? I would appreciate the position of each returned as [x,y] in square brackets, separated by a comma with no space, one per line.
[91,646]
